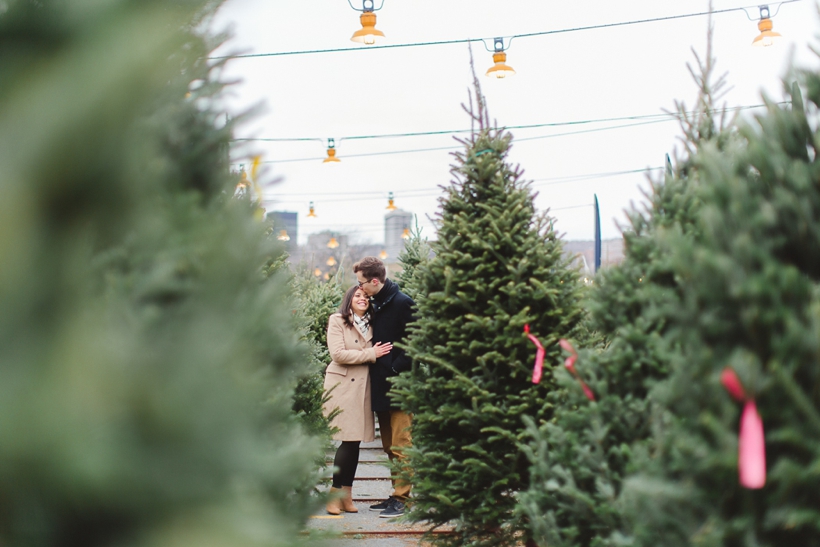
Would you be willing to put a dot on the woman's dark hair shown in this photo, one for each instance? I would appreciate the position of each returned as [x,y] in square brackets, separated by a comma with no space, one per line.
[346,308]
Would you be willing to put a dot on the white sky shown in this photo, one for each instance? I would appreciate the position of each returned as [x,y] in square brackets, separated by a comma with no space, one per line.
[591,74]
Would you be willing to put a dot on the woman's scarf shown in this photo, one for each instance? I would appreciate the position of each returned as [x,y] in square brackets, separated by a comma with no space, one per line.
[362,323]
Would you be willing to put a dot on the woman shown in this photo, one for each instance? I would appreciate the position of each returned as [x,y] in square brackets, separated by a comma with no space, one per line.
[348,381]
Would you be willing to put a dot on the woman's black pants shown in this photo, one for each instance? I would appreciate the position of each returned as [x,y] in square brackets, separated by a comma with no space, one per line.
[346,460]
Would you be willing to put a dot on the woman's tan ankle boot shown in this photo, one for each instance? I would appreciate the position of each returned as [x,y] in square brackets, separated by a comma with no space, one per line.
[347,500]
[334,506]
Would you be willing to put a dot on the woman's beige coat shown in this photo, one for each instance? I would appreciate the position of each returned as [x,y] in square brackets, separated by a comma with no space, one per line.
[351,352]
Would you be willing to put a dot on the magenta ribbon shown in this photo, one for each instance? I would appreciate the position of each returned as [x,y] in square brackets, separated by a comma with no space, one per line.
[539,356]
[751,460]
[570,366]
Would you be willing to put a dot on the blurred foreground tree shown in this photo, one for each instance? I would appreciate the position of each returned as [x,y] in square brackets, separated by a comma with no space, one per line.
[580,459]
[147,364]
[750,305]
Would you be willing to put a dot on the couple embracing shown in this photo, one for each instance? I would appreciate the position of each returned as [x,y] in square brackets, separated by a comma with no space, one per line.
[373,315]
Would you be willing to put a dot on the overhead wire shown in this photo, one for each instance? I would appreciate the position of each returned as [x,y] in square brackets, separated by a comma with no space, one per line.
[470,40]
[649,119]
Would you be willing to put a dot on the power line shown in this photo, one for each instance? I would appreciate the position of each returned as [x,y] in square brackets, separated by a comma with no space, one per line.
[431,192]
[469,40]
[650,118]
[440,148]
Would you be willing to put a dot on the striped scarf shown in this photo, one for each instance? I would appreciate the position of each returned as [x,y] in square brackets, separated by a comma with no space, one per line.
[362,323]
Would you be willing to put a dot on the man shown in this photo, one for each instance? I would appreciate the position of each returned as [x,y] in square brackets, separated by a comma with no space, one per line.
[392,311]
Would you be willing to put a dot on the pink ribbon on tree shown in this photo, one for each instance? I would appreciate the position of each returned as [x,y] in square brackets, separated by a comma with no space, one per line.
[751,460]
[570,366]
[539,356]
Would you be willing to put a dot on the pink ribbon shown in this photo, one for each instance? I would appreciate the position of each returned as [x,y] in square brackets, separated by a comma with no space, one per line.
[570,365]
[539,356]
[751,460]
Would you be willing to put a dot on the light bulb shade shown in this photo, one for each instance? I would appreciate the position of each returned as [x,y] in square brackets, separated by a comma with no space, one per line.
[283,235]
[317,272]
[311,212]
[767,36]
[368,34]
[500,69]
[405,234]
[331,261]
[331,156]
[332,243]
[390,205]
[383,255]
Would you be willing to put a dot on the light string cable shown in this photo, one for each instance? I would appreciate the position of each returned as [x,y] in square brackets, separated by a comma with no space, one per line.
[526,35]
[643,119]
[435,191]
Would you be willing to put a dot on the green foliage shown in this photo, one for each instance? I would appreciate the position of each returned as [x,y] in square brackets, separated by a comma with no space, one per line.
[148,367]
[497,266]
[580,459]
[314,302]
[750,302]
[416,251]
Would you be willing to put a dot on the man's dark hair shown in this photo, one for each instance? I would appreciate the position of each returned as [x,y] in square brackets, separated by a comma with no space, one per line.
[371,268]
[346,307]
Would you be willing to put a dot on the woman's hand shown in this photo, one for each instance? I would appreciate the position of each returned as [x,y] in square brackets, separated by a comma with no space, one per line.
[382,348]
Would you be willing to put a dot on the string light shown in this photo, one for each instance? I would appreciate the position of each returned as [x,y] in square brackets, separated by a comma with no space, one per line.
[331,261]
[383,255]
[767,36]
[390,205]
[244,184]
[526,35]
[317,272]
[332,244]
[500,69]
[311,212]
[405,234]
[331,152]
[368,34]
[283,235]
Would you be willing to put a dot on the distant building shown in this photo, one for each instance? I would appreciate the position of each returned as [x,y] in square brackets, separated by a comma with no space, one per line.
[396,224]
[285,225]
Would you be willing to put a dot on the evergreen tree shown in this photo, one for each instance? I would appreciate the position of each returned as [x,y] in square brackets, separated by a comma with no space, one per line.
[498,265]
[313,303]
[147,367]
[580,459]
[750,304]
[416,252]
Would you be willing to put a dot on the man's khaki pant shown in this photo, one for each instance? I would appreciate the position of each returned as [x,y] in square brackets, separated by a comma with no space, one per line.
[394,427]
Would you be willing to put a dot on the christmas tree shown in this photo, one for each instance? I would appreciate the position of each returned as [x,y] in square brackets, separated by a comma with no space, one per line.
[314,302]
[580,459]
[148,366]
[416,252]
[747,328]
[498,266]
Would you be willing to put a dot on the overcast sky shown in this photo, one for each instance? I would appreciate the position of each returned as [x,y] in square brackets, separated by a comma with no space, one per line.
[614,72]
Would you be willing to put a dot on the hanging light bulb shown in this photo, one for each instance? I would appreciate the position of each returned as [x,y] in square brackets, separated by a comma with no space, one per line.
[390,205]
[500,69]
[405,234]
[283,235]
[767,36]
[244,184]
[331,152]
[326,276]
[383,255]
[317,272]
[331,261]
[332,243]
[311,212]
[368,34]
